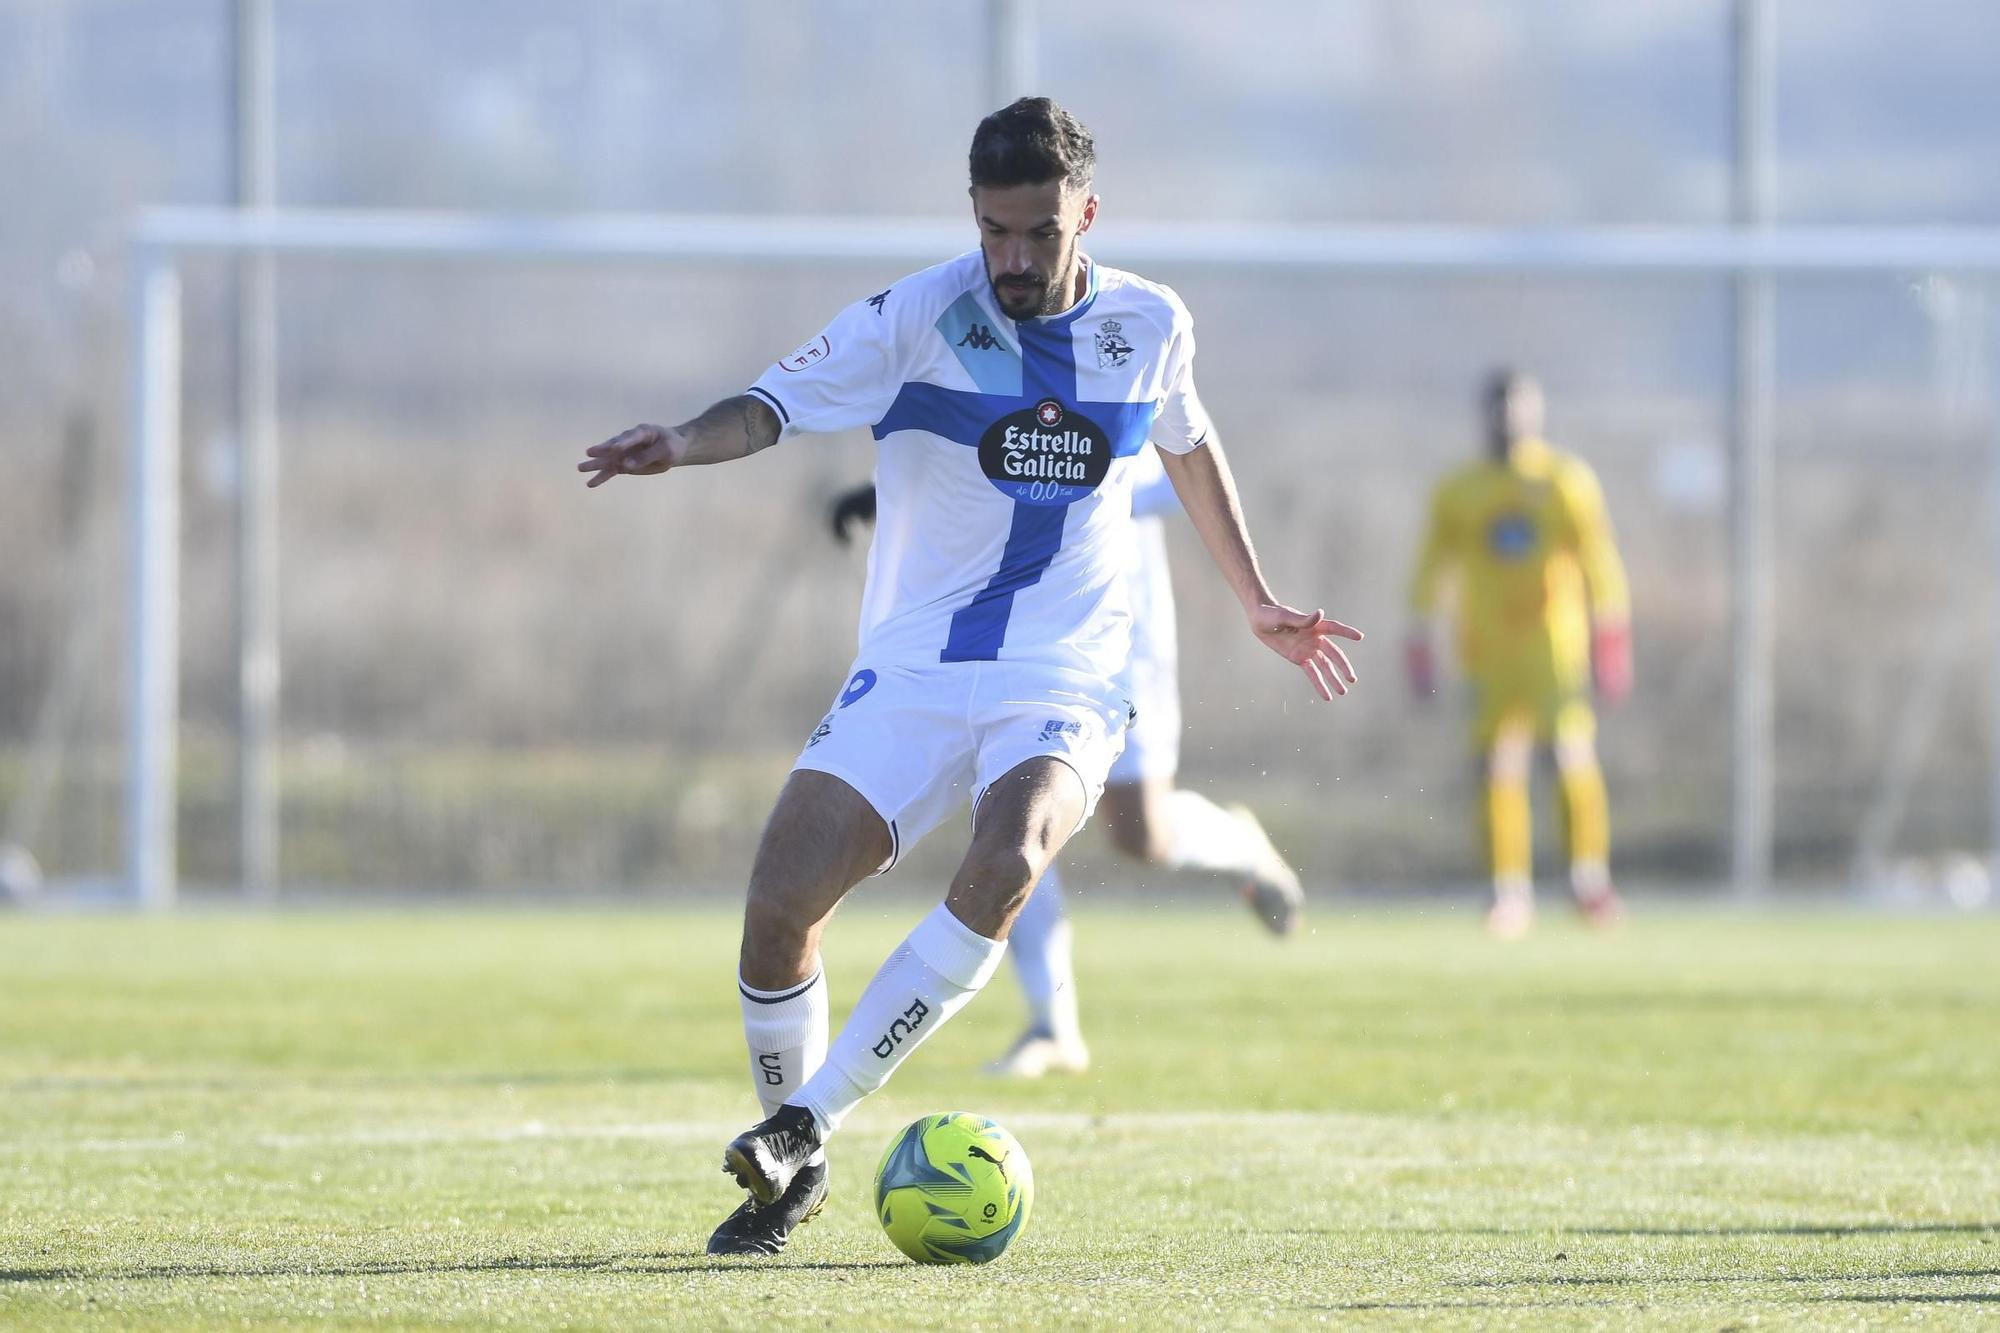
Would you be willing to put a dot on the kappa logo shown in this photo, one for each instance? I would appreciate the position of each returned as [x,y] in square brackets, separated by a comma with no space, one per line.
[902,1029]
[979,338]
[880,299]
[1056,726]
[822,731]
[1112,349]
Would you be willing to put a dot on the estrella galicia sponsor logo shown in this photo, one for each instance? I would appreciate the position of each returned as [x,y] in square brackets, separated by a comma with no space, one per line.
[880,299]
[1056,726]
[822,731]
[864,681]
[814,352]
[979,338]
[1045,455]
[902,1029]
[1112,349]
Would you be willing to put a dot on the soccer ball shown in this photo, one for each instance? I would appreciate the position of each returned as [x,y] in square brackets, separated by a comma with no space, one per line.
[953,1188]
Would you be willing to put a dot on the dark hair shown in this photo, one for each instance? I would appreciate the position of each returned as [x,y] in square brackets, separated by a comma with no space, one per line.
[1504,380]
[1032,141]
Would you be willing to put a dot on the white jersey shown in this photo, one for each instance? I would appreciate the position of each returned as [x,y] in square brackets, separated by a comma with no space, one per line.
[1148,583]
[1005,458]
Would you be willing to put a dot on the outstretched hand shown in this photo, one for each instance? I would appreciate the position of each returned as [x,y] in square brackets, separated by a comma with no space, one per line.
[1306,639]
[642,451]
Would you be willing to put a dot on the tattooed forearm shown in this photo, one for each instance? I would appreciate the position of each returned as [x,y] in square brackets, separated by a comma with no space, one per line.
[733,428]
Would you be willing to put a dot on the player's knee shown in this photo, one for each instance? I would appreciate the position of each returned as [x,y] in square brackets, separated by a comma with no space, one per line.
[772,927]
[1575,754]
[1143,839]
[992,886]
[1509,759]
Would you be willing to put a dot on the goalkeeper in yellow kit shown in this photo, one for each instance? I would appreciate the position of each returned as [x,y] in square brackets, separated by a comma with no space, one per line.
[1523,537]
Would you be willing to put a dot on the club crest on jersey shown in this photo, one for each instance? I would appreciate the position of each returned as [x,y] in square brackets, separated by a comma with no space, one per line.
[814,352]
[1112,349]
[1511,537]
[1047,454]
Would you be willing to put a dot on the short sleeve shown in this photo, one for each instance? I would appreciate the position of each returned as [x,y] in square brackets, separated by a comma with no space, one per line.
[1182,423]
[848,376]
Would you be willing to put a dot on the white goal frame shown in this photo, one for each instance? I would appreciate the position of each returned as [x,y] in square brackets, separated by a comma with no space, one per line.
[161,238]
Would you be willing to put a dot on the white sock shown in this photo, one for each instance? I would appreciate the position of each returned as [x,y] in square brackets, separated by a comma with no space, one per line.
[930,977]
[1204,836]
[1589,878]
[1040,947]
[786,1032]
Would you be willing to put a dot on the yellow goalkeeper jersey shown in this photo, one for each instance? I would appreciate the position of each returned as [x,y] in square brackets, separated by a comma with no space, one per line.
[1528,545]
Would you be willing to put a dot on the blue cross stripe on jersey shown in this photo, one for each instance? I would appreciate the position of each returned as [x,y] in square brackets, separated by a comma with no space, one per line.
[1047,369]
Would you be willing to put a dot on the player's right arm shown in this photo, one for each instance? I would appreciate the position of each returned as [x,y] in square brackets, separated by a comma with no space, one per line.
[1435,560]
[845,377]
[733,428]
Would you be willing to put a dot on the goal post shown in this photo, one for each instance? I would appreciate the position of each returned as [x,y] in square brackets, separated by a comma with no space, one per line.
[162,238]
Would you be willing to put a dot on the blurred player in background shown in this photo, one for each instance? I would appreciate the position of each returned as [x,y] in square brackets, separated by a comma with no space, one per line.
[1150,819]
[1542,607]
[1009,391]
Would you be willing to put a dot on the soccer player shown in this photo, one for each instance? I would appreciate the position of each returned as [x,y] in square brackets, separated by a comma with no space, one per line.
[1150,819]
[1541,603]
[1008,391]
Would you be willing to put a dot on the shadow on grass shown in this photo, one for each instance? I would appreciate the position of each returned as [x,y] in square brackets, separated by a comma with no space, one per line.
[1965,1298]
[1348,1307]
[1729,1001]
[1736,1279]
[1804,1229]
[281,1080]
[673,1261]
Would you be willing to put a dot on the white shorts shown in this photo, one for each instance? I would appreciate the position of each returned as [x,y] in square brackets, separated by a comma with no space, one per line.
[919,742]
[1151,678]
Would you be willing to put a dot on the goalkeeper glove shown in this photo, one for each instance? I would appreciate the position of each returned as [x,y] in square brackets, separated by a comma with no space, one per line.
[849,508]
[1611,661]
[1420,665]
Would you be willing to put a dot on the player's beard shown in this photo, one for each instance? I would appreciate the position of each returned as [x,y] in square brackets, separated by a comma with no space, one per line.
[1033,294]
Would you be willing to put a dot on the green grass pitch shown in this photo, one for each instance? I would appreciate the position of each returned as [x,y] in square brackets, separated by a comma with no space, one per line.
[1708,1121]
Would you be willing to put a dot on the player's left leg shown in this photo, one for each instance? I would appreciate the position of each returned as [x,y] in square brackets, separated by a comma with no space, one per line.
[1587,812]
[1510,828]
[1042,742]
[884,765]
[1020,823]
